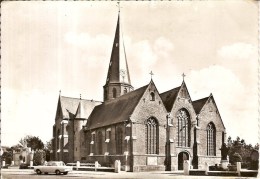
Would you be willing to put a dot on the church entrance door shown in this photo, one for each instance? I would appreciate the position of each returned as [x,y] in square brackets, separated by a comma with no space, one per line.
[181,157]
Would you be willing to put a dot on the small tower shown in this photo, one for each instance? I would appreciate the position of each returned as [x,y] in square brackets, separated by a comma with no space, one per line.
[118,78]
[78,122]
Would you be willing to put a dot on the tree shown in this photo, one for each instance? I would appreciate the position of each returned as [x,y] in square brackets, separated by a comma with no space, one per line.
[7,156]
[29,141]
[48,145]
[47,149]
[235,158]
[35,143]
[240,150]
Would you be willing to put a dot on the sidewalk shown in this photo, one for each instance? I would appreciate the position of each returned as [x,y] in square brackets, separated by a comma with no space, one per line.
[122,174]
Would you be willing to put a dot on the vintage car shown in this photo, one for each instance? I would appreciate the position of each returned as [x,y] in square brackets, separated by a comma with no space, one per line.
[57,167]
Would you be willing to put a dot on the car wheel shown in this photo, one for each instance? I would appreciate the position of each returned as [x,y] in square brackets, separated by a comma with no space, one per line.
[65,173]
[57,172]
[38,172]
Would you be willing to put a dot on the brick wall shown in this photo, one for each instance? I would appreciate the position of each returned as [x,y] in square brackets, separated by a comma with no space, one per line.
[209,114]
[144,110]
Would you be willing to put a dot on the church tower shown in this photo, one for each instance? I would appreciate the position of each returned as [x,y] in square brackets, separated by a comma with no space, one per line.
[118,78]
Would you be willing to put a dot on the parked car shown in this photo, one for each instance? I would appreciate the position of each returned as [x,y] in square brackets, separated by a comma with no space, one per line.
[57,167]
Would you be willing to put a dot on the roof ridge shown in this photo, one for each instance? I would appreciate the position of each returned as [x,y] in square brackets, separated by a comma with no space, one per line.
[124,95]
[116,110]
[80,99]
[170,90]
[201,99]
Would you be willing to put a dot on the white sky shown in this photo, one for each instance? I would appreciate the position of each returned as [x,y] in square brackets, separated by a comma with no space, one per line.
[52,46]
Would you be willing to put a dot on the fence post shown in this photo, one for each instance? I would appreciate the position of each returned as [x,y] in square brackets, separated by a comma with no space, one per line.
[117,166]
[77,165]
[96,165]
[206,168]
[31,163]
[186,167]
[239,168]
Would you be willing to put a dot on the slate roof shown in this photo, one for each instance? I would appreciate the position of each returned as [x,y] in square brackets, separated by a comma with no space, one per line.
[70,105]
[118,62]
[198,104]
[116,110]
[169,97]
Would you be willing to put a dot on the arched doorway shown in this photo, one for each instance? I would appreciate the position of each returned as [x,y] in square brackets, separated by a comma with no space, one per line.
[181,157]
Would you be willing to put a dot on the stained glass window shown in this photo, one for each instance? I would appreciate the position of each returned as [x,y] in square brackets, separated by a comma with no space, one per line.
[211,139]
[183,128]
[152,136]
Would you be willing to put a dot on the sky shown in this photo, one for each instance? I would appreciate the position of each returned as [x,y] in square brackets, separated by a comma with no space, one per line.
[51,46]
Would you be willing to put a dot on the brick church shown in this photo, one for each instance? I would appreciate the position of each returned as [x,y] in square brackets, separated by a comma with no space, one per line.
[143,128]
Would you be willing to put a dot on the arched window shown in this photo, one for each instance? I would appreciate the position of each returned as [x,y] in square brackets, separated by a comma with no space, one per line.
[152,97]
[125,91]
[114,92]
[183,118]
[100,142]
[211,139]
[152,136]
[119,141]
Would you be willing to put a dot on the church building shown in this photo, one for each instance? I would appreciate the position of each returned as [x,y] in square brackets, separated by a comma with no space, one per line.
[143,128]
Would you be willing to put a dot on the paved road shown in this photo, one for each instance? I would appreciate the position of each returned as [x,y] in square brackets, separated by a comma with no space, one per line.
[28,174]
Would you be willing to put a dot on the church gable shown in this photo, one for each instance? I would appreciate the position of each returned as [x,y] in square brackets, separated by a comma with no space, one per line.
[183,101]
[148,122]
[210,113]
[170,97]
[149,105]
[183,92]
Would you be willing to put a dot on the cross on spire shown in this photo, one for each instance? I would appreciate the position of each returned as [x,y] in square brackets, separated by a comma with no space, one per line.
[60,92]
[151,73]
[183,76]
[80,96]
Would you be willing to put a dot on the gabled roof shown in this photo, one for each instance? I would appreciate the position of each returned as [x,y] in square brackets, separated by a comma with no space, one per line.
[116,110]
[198,104]
[69,106]
[169,97]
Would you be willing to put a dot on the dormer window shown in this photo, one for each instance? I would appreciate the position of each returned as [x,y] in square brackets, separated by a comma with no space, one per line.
[152,96]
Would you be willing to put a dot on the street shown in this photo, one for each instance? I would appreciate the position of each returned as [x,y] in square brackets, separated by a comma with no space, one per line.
[29,173]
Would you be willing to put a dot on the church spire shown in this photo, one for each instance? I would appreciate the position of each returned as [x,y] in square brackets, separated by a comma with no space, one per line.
[118,72]
[118,68]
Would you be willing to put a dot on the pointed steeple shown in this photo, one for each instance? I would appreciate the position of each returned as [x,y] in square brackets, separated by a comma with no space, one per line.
[118,72]
[80,111]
